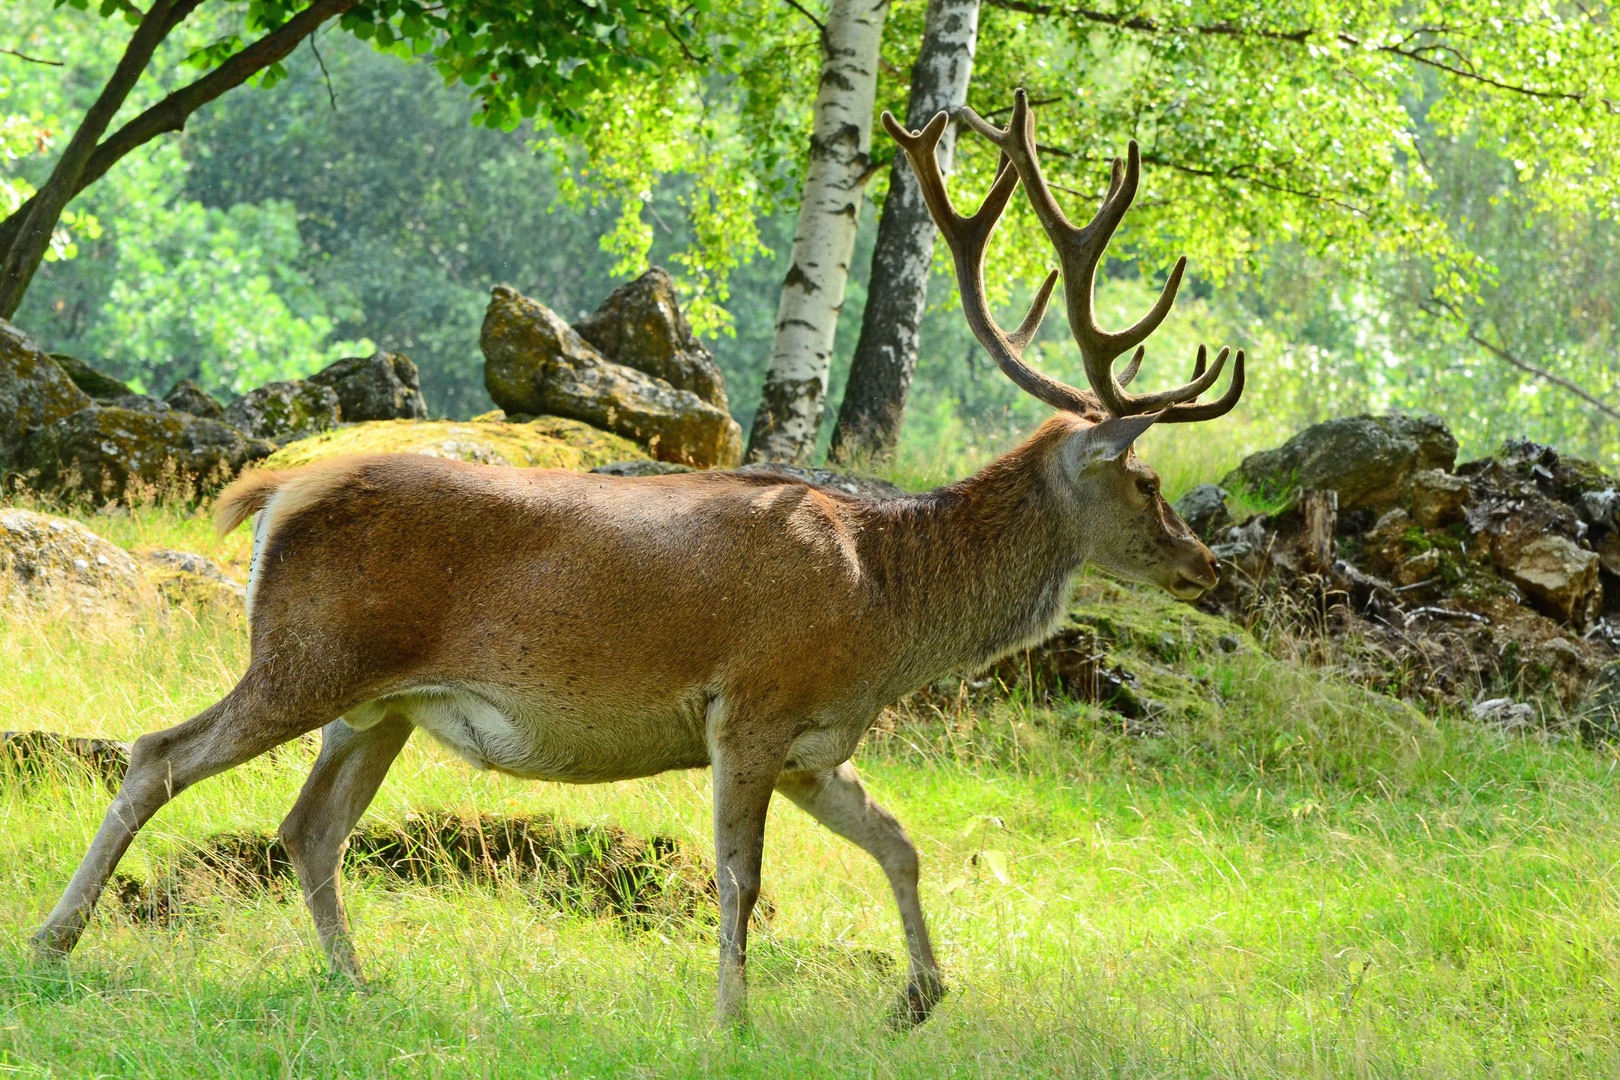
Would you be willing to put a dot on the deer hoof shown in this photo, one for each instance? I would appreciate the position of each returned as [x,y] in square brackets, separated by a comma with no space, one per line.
[916,1004]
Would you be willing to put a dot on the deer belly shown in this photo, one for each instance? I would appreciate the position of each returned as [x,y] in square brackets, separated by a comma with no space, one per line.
[490,730]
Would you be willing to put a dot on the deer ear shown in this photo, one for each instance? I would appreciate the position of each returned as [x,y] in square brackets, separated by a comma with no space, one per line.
[1107,440]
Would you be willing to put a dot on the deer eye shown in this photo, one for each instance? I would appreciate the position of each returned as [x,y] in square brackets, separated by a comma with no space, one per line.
[1149,488]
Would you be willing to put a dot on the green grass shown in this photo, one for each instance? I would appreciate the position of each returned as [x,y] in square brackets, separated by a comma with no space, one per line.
[1297,879]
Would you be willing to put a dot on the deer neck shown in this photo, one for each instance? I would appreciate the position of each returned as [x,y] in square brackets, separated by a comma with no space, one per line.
[982,567]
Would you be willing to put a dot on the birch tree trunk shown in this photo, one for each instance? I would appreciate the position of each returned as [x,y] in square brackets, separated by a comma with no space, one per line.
[795,391]
[886,355]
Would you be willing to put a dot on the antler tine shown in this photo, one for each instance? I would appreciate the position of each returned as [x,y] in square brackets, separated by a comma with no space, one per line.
[1202,380]
[967,238]
[1135,365]
[1017,142]
[1186,414]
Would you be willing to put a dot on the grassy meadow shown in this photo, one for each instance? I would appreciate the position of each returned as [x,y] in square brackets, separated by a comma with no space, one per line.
[1294,878]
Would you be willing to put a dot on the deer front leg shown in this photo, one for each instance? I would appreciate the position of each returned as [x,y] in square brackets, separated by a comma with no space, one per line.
[838,800]
[746,765]
[341,784]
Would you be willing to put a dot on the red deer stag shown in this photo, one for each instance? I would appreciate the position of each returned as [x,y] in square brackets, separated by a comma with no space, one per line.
[583,628]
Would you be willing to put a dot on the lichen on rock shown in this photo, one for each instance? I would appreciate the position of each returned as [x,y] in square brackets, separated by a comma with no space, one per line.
[102,453]
[535,363]
[640,325]
[382,386]
[291,409]
[51,563]
[34,390]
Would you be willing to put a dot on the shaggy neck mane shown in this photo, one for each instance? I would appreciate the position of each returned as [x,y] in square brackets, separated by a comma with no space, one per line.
[981,566]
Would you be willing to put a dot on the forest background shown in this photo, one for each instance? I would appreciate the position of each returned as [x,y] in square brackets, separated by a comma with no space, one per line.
[348,203]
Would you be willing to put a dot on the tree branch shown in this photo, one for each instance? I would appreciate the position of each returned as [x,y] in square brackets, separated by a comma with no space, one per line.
[171,113]
[31,59]
[821,27]
[1216,174]
[1502,354]
[1144,24]
[21,255]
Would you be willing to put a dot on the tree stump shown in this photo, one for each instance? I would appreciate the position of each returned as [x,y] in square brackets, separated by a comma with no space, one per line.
[1320,509]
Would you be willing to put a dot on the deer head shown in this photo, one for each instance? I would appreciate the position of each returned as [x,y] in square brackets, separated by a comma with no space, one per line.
[1132,530]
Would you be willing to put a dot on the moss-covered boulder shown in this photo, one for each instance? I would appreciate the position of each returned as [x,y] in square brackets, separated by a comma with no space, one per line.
[641,325]
[186,396]
[34,390]
[292,409]
[549,442]
[1368,460]
[102,453]
[382,386]
[98,384]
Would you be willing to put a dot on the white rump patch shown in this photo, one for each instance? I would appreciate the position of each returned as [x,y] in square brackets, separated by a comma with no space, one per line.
[261,532]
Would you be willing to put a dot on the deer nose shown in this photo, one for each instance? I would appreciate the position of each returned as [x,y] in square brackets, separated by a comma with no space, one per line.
[1215,565]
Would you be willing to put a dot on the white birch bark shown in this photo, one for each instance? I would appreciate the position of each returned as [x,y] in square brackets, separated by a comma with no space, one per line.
[897,291]
[795,391]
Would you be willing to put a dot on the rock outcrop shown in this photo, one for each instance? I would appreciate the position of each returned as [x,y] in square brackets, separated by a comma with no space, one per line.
[99,452]
[187,397]
[98,384]
[34,390]
[535,363]
[547,443]
[193,582]
[640,325]
[1368,460]
[282,411]
[52,563]
[1486,581]
[382,386]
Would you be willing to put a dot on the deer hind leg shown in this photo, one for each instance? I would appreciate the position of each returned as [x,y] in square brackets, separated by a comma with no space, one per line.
[251,719]
[345,777]
[839,800]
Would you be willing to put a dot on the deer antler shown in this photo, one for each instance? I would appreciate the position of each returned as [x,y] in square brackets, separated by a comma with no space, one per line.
[1079,251]
[968,237]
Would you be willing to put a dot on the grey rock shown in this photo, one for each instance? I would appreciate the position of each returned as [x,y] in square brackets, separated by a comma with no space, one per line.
[641,468]
[1368,460]
[641,325]
[98,384]
[536,364]
[101,452]
[53,563]
[1602,507]
[187,397]
[283,411]
[1204,509]
[1599,710]
[189,562]
[34,390]
[1505,713]
[866,487]
[1438,498]
[141,402]
[382,386]
[1557,575]
[185,579]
